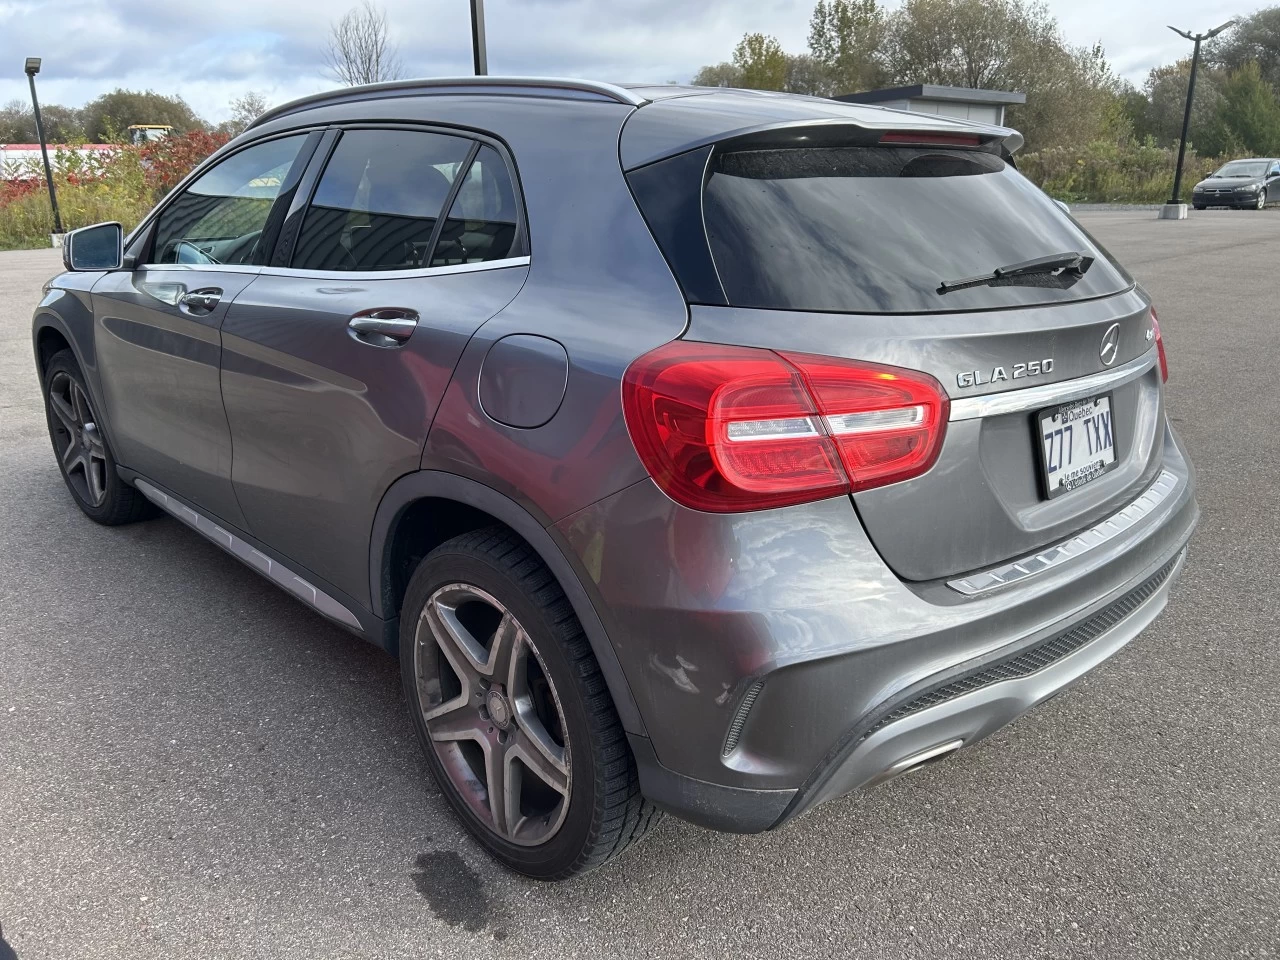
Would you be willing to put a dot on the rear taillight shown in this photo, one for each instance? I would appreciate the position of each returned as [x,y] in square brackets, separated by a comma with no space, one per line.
[1164,361]
[727,429]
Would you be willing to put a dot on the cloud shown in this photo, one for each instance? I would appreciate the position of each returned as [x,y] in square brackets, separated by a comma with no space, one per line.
[212,51]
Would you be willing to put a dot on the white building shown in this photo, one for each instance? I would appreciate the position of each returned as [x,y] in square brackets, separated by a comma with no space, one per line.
[966,103]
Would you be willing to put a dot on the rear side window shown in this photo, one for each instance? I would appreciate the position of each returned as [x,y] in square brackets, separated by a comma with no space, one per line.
[378,200]
[876,229]
[481,225]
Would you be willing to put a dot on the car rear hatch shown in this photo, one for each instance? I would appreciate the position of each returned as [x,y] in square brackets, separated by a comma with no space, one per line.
[841,241]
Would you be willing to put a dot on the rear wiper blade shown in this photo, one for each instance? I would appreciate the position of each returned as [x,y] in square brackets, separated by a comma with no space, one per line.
[1055,270]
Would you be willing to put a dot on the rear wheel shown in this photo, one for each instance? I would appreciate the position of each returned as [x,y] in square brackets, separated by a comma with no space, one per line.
[512,711]
[84,456]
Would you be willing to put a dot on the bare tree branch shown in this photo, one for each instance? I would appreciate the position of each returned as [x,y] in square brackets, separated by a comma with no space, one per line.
[359,50]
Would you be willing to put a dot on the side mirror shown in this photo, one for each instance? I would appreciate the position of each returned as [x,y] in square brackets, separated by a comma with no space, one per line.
[99,247]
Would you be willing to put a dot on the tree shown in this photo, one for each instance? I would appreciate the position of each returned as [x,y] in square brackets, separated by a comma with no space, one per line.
[1248,117]
[806,74]
[61,124]
[360,50]
[244,110]
[846,38]
[1166,95]
[723,74]
[111,114]
[761,62]
[1256,39]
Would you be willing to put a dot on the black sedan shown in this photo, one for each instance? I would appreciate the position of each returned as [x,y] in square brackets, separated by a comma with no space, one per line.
[1249,184]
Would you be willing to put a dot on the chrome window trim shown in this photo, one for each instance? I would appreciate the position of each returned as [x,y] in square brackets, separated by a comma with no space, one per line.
[1035,398]
[308,274]
[504,264]
[1076,546]
[273,570]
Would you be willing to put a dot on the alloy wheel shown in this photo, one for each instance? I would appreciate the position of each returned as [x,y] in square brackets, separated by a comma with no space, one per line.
[1262,198]
[77,439]
[492,714]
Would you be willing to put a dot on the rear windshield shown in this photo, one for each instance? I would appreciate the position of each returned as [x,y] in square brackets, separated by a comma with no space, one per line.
[879,229]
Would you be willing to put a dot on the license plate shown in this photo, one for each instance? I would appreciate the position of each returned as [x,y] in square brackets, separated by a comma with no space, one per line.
[1077,444]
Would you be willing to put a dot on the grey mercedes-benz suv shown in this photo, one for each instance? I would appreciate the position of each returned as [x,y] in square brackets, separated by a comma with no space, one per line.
[697,450]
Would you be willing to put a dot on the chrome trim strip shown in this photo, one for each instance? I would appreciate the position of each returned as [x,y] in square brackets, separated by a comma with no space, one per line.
[1034,398]
[503,264]
[273,570]
[395,274]
[1080,544]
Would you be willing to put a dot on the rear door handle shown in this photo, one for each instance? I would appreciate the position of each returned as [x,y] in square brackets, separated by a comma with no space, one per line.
[201,301]
[383,326]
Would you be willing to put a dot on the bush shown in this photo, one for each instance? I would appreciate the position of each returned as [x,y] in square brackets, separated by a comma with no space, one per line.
[123,185]
[1107,172]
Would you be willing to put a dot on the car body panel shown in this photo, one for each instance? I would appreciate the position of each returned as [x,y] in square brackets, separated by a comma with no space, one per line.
[159,371]
[323,423]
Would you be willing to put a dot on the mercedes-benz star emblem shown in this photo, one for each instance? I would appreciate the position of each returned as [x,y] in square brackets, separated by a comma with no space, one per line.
[1110,345]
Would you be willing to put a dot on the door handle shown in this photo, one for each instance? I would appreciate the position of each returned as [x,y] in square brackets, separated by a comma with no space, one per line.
[383,326]
[201,301]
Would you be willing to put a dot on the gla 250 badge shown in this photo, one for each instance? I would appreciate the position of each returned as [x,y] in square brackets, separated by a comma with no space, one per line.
[1032,368]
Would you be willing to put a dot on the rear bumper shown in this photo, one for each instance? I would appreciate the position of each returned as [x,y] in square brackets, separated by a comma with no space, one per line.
[773,654]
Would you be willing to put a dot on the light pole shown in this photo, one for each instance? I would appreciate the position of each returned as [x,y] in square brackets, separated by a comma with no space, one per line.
[479,52]
[1175,199]
[32,68]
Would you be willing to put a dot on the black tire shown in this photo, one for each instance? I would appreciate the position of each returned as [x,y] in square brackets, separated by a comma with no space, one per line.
[105,498]
[1197,206]
[1262,199]
[603,812]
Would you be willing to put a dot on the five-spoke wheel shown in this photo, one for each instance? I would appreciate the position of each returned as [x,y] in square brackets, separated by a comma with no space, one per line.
[512,711]
[77,440]
[492,713]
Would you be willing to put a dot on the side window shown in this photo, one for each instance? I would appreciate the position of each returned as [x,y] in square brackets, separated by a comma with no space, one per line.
[482,221]
[219,218]
[378,200]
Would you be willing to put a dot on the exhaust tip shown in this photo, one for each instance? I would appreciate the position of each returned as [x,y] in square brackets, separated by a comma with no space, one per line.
[907,764]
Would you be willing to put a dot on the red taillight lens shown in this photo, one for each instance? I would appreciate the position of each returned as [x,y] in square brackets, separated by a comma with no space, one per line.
[727,429]
[1164,361]
[887,423]
[931,139]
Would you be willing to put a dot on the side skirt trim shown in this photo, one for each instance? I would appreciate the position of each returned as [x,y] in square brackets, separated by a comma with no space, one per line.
[273,570]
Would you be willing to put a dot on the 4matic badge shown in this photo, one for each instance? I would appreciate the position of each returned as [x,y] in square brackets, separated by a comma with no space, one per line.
[1032,368]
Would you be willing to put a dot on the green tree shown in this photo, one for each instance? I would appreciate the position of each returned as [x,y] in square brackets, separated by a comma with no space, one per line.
[718,75]
[61,124]
[1165,91]
[112,113]
[806,74]
[1248,117]
[846,37]
[1256,39]
[761,62]
[244,110]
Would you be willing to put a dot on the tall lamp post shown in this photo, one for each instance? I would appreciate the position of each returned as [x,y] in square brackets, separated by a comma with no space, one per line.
[1175,209]
[32,68]
[479,51]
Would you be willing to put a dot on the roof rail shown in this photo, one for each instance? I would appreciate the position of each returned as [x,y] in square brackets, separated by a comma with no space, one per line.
[443,85]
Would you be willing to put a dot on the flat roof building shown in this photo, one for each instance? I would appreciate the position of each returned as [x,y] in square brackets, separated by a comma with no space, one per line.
[965,103]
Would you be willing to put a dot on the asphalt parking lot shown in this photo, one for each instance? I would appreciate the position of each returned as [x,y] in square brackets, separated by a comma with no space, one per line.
[192,764]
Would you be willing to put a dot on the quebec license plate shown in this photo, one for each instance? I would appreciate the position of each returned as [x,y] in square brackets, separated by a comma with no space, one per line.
[1077,444]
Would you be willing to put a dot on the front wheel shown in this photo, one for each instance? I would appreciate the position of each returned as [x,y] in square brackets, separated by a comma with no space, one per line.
[84,456]
[512,711]
[1262,199]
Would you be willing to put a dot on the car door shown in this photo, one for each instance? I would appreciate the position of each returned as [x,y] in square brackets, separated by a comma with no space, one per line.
[157,326]
[334,364]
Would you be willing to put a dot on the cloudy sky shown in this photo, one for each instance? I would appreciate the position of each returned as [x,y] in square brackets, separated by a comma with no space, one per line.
[210,51]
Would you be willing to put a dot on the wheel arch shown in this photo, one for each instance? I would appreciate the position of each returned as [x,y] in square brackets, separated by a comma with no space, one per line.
[410,518]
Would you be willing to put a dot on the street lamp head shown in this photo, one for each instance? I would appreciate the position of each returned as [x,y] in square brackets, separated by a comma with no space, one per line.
[1217,30]
[33,66]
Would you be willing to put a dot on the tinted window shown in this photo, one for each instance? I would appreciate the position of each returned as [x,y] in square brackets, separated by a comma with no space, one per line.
[878,229]
[482,221]
[219,218]
[378,200]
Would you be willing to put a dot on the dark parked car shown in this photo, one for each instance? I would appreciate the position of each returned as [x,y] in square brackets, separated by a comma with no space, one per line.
[700,450]
[1248,184]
